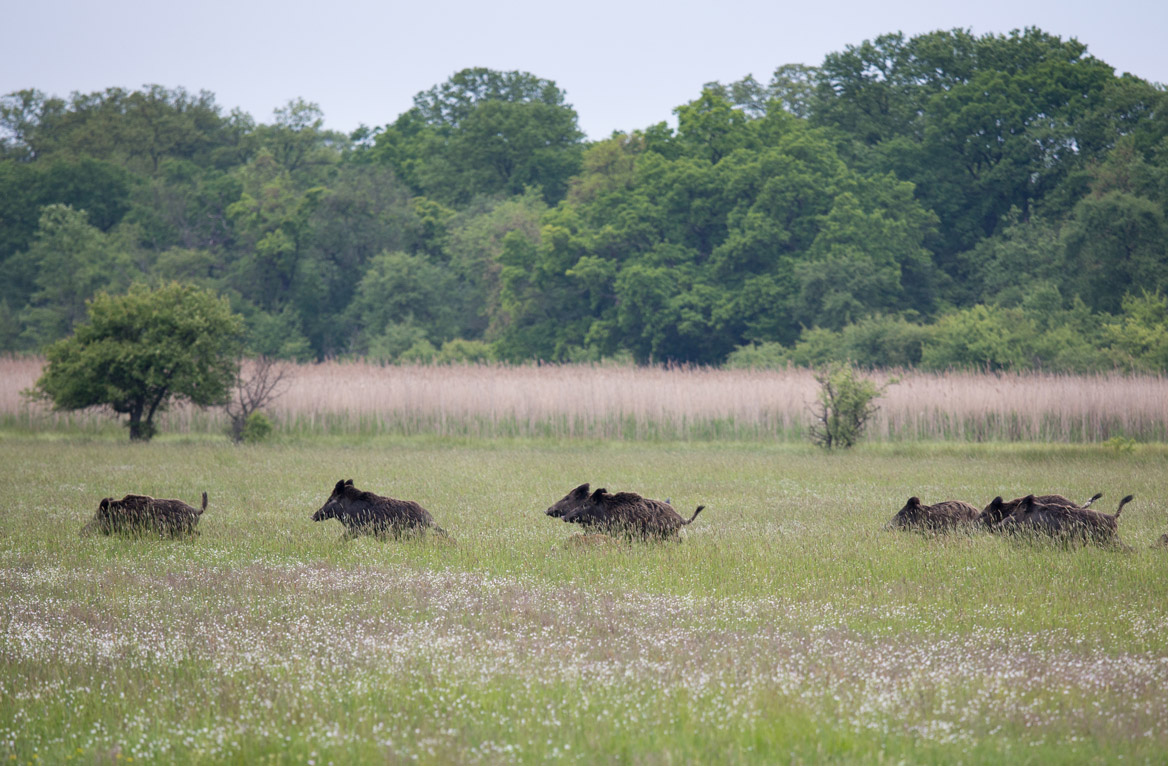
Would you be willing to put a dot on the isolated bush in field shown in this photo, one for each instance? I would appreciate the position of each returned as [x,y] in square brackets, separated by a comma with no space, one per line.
[843,407]
[256,428]
[1121,444]
[140,351]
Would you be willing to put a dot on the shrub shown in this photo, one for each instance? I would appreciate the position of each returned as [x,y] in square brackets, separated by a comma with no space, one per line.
[844,405]
[257,428]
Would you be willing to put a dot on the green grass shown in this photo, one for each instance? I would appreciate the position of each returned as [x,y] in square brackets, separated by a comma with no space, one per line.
[786,626]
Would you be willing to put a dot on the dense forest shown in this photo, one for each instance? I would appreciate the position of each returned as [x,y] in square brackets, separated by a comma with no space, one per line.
[944,200]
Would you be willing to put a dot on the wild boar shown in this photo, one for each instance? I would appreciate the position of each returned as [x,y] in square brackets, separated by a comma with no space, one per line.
[145,515]
[569,502]
[940,517]
[625,513]
[998,510]
[1073,524]
[364,513]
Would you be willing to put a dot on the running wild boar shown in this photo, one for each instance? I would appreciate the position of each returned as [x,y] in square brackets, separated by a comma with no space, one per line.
[364,513]
[940,517]
[998,510]
[1073,524]
[625,513]
[145,515]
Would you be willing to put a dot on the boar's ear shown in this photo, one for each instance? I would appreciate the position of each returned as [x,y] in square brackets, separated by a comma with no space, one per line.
[1027,503]
[914,501]
[104,506]
[996,503]
[599,494]
[581,491]
[340,486]
[349,482]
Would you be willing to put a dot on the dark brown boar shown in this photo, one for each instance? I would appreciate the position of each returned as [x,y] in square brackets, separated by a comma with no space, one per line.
[569,502]
[998,510]
[1074,524]
[364,513]
[624,513]
[940,517]
[145,515]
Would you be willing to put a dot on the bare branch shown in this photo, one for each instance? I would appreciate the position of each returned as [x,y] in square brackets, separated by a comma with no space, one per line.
[260,382]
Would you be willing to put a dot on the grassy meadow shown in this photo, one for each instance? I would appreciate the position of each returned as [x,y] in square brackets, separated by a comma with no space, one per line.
[786,626]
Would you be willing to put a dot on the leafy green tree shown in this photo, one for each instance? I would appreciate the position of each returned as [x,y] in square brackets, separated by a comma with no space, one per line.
[1115,244]
[69,261]
[405,290]
[1138,339]
[103,190]
[141,351]
[137,129]
[451,102]
[475,248]
[504,147]
[711,128]
[484,133]
[982,338]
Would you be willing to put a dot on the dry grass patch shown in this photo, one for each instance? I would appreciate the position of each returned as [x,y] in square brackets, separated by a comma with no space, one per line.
[615,402]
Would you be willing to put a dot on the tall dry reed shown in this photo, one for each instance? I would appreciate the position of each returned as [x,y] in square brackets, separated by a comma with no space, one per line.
[621,402]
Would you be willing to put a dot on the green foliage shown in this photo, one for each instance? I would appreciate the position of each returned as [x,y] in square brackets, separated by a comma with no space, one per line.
[462,351]
[1139,339]
[1115,244]
[855,210]
[844,405]
[141,351]
[406,290]
[69,261]
[257,428]
[1121,445]
[758,356]
[484,133]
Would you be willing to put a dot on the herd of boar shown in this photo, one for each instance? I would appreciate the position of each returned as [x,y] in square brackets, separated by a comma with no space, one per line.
[1050,516]
[629,515]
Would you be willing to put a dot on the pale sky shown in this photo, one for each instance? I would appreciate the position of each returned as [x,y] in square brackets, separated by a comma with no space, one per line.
[624,64]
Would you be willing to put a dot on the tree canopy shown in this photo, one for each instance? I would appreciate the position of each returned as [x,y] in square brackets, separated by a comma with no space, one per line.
[139,352]
[889,205]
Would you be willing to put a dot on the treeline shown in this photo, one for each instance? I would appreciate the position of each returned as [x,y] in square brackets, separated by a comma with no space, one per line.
[995,201]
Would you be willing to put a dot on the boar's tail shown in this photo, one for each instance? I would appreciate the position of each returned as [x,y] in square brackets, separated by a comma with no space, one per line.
[699,510]
[204,502]
[1093,499]
[1122,503]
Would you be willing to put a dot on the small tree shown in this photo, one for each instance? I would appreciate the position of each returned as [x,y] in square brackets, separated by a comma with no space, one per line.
[265,381]
[843,407]
[139,352]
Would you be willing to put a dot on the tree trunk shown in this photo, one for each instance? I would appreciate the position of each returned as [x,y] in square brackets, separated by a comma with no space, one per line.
[141,430]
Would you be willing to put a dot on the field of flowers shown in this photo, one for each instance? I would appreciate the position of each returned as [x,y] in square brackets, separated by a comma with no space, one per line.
[786,626]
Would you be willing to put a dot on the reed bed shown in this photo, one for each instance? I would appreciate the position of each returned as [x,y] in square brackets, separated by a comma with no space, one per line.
[637,403]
